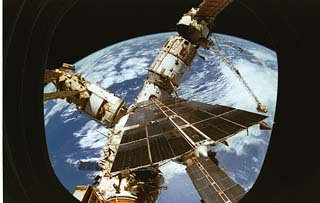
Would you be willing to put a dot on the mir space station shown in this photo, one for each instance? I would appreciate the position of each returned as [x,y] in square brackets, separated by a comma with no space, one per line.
[160,126]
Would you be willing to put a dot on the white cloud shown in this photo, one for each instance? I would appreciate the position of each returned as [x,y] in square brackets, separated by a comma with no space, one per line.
[68,112]
[262,81]
[73,162]
[90,159]
[57,107]
[135,62]
[49,88]
[130,69]
[255,170]
[255,159]
[171,170]
[92,175]
[238,143]
[69,119]
[242,175]
[180,187]
[89,137]
[265,55]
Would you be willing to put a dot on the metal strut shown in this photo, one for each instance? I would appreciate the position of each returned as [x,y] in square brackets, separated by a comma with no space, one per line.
[261,108]
[216,39]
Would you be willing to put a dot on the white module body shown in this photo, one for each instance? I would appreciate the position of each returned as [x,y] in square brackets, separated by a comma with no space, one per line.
[174,59]
[103,105]
[91,99]
[107,189]
[150,89]
[168,68]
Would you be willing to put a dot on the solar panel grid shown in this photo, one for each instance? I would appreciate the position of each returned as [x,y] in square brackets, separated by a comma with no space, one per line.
[154,129]
[181,110]
[200,114]
[212,7]
[160,148]
[166,141]
[158,115]
[235,193]
[133,134]
[218,188]
[216,173]
[178,144]
[131,156]
[225,183]
[190,113]
[217,109]
[169,113]
[203,186]
[190,117]
[178,121]
[244,118]
[166,125]
[228,127]
[177,105]
[211,131]
[172,101]
[193,134]
[135,119]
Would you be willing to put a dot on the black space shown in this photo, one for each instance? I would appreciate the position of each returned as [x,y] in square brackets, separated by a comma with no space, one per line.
[39,34]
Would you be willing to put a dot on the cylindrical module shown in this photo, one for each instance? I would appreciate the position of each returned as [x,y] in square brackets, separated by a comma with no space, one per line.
[168,68]
[173,60]
[150,89]
[104,106]
[89,98]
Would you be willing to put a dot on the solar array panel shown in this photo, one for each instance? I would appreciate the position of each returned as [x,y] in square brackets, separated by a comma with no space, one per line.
[131,156]
[163,146]
[212,183]
[133,135]
[211,8]
[163,130]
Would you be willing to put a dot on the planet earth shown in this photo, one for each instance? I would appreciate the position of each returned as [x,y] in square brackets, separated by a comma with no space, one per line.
[122,68]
